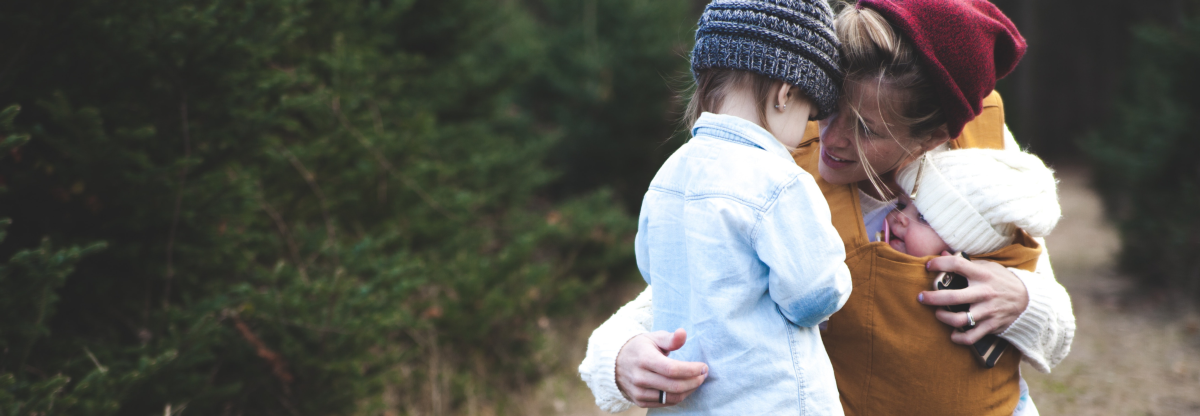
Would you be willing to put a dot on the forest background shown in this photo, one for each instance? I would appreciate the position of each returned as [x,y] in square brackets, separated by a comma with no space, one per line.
[362,207]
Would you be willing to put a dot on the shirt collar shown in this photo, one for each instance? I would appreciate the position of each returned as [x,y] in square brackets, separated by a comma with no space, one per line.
[739,130]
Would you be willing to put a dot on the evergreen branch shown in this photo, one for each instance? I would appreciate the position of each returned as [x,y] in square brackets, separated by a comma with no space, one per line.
[284,233]
[279,366]
[102,368]
[330,230]
[43,304]
[564,269]
[10,140]
[377,118]
[319,330]
[383,162]
[183,171]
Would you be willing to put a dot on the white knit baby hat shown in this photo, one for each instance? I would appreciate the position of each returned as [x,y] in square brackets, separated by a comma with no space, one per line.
[975,199]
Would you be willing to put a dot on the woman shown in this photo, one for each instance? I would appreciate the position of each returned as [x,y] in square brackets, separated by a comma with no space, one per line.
[918,74]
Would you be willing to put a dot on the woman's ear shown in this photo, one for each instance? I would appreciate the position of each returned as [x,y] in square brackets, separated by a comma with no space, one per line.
[939,137]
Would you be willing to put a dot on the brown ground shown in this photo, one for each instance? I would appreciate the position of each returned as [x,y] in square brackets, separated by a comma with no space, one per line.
[1132,355]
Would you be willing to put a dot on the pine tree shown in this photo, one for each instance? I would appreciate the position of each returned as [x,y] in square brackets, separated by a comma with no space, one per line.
[301,204]
[1145,159]
[609,65]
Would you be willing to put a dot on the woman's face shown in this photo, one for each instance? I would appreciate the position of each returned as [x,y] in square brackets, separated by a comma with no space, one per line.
[886,144]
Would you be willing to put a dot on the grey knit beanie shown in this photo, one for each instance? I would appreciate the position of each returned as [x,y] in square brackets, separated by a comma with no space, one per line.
[788,40]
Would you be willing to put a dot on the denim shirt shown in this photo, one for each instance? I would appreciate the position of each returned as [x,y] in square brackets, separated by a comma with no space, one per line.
[737,243]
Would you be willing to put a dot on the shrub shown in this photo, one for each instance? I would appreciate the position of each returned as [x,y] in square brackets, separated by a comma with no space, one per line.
[302,204]
[1145,159]
[609,68]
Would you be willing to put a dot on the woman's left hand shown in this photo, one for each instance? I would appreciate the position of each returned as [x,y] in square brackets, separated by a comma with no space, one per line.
[996,295]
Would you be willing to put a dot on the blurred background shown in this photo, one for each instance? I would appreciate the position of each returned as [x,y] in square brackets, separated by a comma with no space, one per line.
[423,207]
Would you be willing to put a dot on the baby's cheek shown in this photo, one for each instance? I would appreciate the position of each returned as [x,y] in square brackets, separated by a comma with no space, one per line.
[936,244]
[941,246]
[928,244]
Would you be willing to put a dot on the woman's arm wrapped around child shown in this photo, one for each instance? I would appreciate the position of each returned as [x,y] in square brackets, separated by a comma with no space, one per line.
[1043,332]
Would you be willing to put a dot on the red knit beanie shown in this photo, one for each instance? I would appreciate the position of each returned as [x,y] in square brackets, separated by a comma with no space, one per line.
[965,46]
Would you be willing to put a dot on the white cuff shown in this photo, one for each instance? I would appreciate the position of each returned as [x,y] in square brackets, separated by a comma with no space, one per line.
[1045,329]
[604,377]
[598,368]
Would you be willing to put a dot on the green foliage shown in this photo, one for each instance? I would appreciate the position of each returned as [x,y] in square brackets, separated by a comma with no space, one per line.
[11,140]
[610,65]
[1145,159]
[307,207]
[29,282]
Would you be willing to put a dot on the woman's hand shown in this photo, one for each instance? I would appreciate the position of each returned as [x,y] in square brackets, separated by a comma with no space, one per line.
[643,369]
[996,295]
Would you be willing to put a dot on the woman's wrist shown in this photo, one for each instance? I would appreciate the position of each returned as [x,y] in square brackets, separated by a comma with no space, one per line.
[598,368]
[616,376]
[1037,311]
[1045,329]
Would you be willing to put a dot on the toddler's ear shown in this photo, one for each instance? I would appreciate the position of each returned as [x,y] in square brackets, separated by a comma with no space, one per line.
[783,95]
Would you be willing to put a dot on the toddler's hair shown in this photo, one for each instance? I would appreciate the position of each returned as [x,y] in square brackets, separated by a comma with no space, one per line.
[712,85]
[754,43]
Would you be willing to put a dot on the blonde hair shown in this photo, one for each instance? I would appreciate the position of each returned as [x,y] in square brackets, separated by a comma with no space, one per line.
[714,84]
[874,52]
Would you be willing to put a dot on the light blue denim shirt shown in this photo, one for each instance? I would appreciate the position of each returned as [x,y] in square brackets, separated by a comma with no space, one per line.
[737,243]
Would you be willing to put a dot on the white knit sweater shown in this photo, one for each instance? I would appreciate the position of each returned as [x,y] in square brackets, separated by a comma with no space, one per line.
[1043,332]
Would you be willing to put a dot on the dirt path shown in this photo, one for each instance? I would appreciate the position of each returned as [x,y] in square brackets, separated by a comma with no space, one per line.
[1130,356]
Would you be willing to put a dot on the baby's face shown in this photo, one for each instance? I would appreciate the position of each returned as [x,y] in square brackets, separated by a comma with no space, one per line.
[909,233]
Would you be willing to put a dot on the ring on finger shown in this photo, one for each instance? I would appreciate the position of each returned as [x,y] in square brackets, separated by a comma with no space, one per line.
[662,397]
[970,322]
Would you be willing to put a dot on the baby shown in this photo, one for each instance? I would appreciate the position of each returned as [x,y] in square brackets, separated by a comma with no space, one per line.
[975,201]
[971,201]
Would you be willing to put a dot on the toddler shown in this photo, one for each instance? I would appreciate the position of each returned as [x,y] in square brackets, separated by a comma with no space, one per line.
[735,239]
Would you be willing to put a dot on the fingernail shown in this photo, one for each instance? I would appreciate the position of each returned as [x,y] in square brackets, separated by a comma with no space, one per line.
[927,264]
[705,371]
[920,297]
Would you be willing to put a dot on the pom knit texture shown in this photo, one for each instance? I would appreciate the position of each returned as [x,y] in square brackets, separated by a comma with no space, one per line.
[1046,328]
[975,199]
[788,40]
[964,45]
